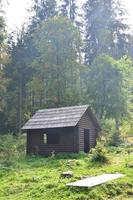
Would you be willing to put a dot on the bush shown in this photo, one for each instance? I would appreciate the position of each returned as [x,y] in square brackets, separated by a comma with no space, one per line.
[115,139]
[99,154]
[10,148]
[108,127]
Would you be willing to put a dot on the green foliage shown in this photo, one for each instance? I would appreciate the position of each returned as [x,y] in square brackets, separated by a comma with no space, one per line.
[4,58]
[108,127]
[104,26]
[70,155]
[57,78]
[10,149]
[3,89]
[19,72]
[115,139]
[39,177]
[99,153]
[107,87]
[68,9]
[43,9]
[3,61]
[46,66]
[126,128]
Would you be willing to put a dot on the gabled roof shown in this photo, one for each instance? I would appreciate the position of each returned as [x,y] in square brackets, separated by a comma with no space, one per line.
[57,117]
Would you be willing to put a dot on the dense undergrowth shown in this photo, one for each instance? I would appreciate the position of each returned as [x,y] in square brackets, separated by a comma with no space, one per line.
[26,178]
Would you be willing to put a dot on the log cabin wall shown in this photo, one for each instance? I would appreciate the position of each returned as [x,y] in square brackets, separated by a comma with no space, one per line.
[86,123]
[67,141]
[34,138]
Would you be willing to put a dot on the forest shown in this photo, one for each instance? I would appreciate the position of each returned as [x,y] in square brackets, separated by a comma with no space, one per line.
[65,57]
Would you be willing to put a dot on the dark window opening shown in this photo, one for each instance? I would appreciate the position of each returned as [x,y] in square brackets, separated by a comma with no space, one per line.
[51,138]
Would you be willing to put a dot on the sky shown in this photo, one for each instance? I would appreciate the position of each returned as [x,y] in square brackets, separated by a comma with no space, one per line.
[17,12]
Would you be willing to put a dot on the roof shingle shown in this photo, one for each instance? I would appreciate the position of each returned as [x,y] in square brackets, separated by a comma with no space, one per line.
[56,117]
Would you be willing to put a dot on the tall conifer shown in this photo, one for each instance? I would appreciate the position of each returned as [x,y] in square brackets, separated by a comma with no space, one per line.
[69,9]
[105,30]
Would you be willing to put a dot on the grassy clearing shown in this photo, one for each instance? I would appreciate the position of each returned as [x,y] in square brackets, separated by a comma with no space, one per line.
[39,178]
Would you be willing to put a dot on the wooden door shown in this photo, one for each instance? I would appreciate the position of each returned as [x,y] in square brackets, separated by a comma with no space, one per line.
[86,140]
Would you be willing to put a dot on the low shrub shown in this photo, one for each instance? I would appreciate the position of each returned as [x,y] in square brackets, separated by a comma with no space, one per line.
[99,153]
[115,139]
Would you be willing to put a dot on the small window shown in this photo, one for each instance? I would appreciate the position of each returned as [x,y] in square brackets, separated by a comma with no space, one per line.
[45,139]
[51,138]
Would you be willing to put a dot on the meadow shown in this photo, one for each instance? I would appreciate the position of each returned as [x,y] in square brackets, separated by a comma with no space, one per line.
[33,177]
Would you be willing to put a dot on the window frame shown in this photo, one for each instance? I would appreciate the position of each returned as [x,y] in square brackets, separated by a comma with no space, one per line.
[45,138]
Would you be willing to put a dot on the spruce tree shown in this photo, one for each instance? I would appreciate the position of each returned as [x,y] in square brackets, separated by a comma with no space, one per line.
[105,31]
[44,9]
[3,61]
[19,72]
[69,9]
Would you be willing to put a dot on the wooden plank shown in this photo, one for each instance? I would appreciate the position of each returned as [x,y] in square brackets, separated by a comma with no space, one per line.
[95,180]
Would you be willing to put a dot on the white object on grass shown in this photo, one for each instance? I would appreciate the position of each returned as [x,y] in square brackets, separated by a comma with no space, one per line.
[95,180]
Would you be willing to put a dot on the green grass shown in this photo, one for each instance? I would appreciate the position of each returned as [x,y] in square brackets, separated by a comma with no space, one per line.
[39,178]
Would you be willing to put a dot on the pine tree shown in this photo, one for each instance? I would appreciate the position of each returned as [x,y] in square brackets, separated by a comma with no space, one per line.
[19,70]
[104,29]
[19,73]
[109,87]
[57,78]
[44,9]
[3,62]
[69,9]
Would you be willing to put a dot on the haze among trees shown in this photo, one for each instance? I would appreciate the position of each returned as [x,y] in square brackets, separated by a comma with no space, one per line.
[63,58]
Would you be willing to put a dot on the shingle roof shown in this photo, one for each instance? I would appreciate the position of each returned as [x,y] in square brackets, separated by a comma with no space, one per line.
[56,117]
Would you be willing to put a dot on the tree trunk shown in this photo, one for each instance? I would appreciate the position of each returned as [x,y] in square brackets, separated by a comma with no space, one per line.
[117,124]
[20,108]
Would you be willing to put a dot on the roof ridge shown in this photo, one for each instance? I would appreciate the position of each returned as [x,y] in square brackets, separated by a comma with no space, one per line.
[65,107]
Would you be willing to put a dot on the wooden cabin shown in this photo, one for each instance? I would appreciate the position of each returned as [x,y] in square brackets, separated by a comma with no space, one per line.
[67,129]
